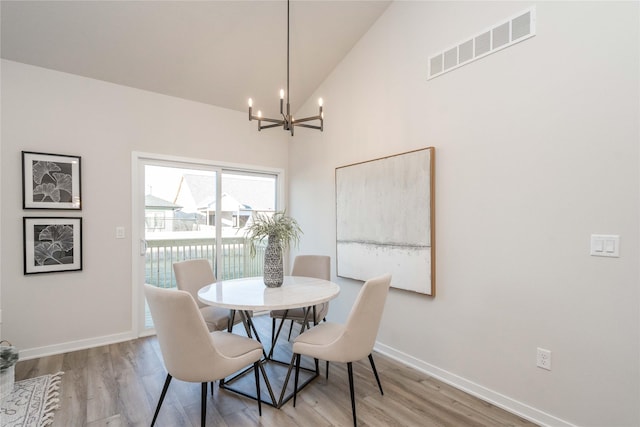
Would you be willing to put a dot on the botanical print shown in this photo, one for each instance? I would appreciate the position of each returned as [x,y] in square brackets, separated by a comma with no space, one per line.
[52,182]
[52,244]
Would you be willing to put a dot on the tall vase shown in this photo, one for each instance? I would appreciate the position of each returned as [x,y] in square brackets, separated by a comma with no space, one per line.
[273,270]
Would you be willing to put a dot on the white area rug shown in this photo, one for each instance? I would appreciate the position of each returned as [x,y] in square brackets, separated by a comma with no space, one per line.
[32,402]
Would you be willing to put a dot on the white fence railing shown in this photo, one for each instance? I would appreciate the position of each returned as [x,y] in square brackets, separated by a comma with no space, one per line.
[235,262]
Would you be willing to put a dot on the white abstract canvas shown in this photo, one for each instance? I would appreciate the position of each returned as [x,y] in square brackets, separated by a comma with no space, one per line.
[384,220]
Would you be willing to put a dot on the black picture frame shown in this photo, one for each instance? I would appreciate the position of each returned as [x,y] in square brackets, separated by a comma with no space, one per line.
[52,244]
[51,181]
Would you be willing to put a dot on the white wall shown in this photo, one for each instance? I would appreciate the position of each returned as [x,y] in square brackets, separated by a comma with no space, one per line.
[0,208]
[536,149]
[52,112]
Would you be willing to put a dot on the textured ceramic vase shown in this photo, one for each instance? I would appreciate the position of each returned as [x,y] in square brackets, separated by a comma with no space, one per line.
[273,270]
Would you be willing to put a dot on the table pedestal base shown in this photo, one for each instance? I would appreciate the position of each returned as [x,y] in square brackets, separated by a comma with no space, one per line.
[275,373]
[277,378]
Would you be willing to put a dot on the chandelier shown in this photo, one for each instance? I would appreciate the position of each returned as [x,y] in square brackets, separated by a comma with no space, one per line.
[287,121]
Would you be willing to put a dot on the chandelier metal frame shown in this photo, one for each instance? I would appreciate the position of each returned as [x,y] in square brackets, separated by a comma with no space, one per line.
[288,122]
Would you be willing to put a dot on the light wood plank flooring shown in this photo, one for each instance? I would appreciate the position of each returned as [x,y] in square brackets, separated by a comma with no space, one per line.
[119,384]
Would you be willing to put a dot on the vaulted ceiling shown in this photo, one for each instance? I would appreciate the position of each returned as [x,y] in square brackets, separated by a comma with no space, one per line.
[215,52]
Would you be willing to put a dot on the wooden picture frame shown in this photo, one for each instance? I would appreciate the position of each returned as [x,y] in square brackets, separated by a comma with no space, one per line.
[385,220]
[50,181]
[52,244]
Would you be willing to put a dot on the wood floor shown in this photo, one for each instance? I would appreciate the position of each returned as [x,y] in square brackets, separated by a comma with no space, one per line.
[119,384]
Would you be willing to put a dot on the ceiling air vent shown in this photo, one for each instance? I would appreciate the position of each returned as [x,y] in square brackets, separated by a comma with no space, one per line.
[498,37]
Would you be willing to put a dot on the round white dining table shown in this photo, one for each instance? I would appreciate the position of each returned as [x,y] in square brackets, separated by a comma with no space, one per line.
[251,294]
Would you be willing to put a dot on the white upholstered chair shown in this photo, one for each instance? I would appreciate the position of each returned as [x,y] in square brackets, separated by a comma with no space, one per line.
[192,353]
[317,266]
[349,342]
[191,276]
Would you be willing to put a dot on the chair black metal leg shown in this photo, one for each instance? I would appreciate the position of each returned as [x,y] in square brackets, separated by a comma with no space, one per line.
[245,323]
[290,329]
[327,370]
[273,332]
[375,372]
[295,382]
[203,408]
[211,388]
[256,366]
[231,320]
[164,391]
[352,393]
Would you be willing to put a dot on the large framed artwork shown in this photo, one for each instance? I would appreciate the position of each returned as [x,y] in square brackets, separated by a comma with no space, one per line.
[52,244]
[50,181]
[385,220]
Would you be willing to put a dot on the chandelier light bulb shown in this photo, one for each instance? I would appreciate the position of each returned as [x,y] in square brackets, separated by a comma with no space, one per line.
[320,102]
[250,102]
[259,114]
[281,93]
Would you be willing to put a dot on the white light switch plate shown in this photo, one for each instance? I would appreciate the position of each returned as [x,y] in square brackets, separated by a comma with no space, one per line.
[607,245]
[119,232]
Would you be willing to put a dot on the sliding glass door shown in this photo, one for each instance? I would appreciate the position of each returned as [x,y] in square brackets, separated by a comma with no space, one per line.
[193,210]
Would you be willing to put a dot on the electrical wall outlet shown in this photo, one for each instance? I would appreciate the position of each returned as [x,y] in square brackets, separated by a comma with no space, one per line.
[543,359]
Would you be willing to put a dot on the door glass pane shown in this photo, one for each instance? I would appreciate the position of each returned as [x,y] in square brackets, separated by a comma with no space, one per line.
[243,195]
[179,221]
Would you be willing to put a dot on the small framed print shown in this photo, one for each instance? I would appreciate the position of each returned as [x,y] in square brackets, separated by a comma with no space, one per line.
[52,244]
[50,181]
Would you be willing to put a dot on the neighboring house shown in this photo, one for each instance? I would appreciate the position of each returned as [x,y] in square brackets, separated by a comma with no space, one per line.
[159,214]
[256,191]
[233,213]
[196,194]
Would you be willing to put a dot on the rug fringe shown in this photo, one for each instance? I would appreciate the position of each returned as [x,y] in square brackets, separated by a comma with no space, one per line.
[52,400]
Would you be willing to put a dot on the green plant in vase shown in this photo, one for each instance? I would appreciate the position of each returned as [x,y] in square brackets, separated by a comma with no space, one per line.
[280,231]
[8,358]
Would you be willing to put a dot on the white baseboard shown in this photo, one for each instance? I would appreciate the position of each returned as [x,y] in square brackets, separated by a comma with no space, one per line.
[521,409]
[508,404]
[33,353]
